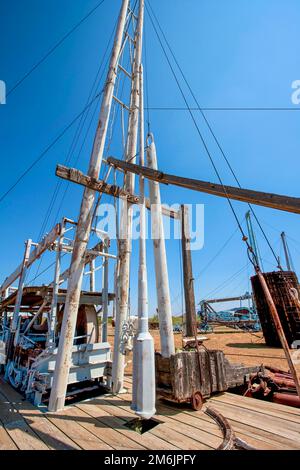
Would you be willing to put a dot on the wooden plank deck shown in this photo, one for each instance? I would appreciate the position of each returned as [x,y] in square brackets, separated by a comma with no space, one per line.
[99,423]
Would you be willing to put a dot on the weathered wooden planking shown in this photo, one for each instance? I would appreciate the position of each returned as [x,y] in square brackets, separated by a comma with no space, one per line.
[113,427]
[251,404]
[273,423]
[266,405]
[126,416]
[100,428]
[242,430]
[208,439]
[184,431]
[17,428]
[68,424]
[6,442]
[254,441]
[253,418]
[48,433]
[163,430]
[266,440]
[252,434]
[123,437]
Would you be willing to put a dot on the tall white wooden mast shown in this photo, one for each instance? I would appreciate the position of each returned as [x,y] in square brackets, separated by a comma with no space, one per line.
[126,211]
[60,379]
[160,258]
[143,387]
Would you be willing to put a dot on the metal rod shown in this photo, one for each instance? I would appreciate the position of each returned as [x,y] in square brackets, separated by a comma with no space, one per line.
[121,103]
[252,239]
[125,242]
[161,268]
[286,252]
[83,229]
[40,310]
[125,71]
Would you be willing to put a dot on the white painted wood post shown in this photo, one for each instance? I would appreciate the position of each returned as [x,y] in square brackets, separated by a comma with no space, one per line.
[161,268]
[92,276]
[15,319]
[125,244]
[55,286]
[20,287]
[143,393]
[105,292]
[60,378]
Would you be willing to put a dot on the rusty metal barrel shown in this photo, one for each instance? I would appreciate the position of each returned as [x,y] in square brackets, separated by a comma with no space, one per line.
[279,284]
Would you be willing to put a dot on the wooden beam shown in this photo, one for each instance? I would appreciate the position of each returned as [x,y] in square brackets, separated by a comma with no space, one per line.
[273,201]
[86,299]
[189,294]
[172,213]
[36,253]
[76,176]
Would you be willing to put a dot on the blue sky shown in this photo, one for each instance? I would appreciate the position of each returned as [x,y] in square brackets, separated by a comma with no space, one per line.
[234,54]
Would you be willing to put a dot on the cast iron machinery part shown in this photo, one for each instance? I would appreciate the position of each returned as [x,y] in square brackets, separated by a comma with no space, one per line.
[197,401]
[230,441]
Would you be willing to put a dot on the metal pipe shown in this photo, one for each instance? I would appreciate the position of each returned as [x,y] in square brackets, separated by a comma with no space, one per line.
[40,310]
[252,239]
[161,268]
[83,229]
[286,252]
[102,254]
[286,399]
[279,329]
[125,244]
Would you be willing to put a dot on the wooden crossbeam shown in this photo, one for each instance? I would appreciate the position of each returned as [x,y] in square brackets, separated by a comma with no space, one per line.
[76,176]
[273,201]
